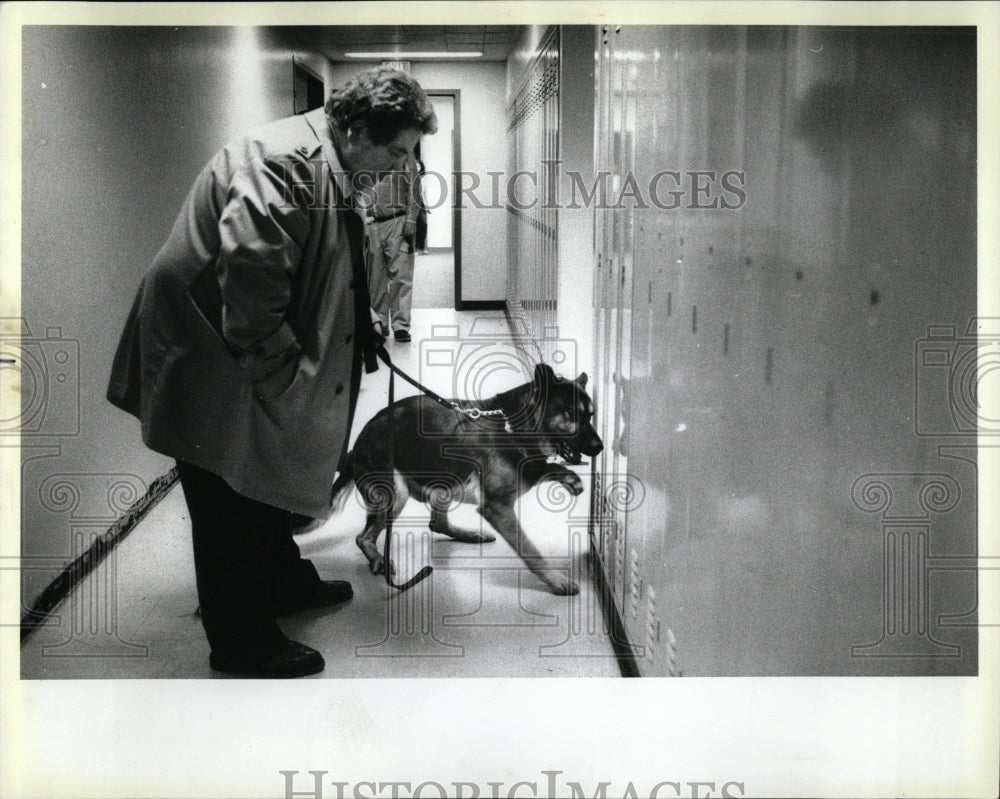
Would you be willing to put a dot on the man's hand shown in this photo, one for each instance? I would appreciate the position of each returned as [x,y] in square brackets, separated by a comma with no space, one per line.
[409,228]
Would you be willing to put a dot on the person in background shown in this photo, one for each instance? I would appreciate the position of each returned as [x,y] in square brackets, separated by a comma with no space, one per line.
[392,228]
[243,351]
[421,234]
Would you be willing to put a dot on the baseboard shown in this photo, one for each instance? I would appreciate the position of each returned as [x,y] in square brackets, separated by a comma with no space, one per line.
[620,643]
[480,305]
[70,577]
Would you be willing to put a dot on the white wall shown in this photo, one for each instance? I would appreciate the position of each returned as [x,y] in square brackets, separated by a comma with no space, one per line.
[117,123]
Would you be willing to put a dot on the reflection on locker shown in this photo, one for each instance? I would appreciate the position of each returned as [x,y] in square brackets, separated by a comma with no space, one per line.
[791,209]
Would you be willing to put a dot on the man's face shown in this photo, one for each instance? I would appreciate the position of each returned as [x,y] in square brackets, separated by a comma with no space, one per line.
[360,154]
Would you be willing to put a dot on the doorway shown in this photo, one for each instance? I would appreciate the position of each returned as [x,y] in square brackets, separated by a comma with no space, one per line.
[307,88]
[442,157]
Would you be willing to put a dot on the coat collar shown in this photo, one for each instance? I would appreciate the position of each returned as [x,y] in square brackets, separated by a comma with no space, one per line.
[318,121]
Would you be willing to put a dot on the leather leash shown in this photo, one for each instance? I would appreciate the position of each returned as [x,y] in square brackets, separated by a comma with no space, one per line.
[387,563]
[473,413]
[384,356]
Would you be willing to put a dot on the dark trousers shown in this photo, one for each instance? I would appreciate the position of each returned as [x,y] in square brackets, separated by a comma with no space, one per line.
[248,566]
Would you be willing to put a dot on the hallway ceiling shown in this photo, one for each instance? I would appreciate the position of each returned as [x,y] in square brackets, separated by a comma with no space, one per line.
[495,41]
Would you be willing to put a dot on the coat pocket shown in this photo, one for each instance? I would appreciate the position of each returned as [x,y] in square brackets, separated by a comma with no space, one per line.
[277,384]
[206,296]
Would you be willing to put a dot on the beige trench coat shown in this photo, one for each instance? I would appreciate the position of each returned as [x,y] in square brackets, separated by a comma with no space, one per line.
[240,354]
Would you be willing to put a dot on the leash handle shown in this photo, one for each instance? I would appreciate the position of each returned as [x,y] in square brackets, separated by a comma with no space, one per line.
[387,563]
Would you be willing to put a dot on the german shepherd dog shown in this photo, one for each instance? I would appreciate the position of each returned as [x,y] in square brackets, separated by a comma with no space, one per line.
[486,453]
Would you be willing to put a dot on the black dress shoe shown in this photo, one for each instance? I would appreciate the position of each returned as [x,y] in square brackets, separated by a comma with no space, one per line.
[322,595]
[293,660]
[401,335]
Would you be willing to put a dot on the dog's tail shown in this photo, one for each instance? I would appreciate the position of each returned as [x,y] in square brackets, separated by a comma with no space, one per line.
[342,488]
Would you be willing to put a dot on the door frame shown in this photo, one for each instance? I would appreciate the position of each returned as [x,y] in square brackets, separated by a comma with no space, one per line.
[456,165]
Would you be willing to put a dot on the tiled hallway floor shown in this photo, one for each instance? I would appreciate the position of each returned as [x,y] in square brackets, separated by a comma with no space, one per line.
[481,613]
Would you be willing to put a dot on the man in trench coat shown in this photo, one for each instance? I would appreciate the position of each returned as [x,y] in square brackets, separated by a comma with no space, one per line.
[242,354]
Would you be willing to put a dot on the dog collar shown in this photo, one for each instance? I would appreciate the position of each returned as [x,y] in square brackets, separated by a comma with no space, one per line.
[475,413]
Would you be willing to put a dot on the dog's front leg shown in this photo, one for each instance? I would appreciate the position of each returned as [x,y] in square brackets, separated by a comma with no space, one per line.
[558,473]
[504,520]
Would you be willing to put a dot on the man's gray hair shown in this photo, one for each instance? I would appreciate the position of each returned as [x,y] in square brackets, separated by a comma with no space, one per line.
[386,101]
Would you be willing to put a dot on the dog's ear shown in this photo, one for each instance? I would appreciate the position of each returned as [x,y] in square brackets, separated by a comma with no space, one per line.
[544,373]
[581,381]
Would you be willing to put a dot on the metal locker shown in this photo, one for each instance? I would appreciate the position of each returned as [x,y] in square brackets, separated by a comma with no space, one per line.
[758,359]
[533,133]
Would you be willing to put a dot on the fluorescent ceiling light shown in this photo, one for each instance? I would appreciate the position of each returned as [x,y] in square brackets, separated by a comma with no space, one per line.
[424,54]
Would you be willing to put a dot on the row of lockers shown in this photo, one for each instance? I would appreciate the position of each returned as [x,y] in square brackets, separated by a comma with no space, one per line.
[759,365]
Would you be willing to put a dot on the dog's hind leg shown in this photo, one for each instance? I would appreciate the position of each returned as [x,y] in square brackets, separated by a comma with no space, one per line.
[381,498]
[440,523]
[367,540]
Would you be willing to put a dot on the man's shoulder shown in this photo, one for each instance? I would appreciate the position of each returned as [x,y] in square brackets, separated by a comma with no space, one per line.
[291,138]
